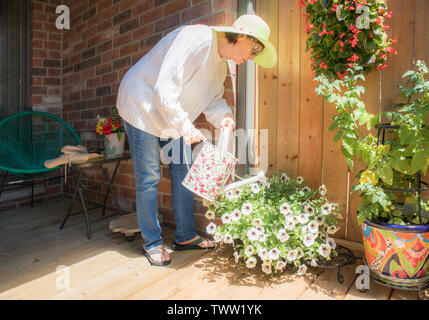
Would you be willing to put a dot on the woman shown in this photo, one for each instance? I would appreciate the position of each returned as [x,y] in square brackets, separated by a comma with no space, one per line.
[159,98]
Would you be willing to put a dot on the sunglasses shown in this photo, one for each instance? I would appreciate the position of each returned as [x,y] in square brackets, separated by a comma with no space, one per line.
[257,47]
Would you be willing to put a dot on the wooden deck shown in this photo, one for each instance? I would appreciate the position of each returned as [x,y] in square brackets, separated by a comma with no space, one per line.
[108,267]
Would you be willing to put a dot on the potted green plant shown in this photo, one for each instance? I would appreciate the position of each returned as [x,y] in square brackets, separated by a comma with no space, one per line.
[276,224]
[114,133]
[392,214]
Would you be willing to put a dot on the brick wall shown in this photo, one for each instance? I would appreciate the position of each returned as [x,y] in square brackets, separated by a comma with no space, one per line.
[46,58]
[106,38]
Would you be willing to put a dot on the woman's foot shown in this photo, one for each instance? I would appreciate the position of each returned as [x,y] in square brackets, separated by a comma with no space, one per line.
[157,256]
[195,243]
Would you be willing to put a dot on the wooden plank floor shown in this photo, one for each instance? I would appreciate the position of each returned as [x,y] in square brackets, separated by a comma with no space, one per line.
[32,248]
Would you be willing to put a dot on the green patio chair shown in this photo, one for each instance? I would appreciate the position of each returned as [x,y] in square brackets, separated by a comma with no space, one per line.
[27,140]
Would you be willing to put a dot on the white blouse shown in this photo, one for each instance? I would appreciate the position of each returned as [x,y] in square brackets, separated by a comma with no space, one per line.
[180,78]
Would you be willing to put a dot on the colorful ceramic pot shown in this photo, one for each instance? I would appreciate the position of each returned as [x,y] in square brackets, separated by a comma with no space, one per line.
[397,255]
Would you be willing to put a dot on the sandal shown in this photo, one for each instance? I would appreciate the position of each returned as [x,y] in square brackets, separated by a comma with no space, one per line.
[156,250]
[193,245]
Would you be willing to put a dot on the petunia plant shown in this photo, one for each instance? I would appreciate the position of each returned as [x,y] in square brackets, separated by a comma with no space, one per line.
[275,224]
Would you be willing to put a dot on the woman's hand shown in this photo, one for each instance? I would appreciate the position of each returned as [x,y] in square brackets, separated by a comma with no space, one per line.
[227,122]
[194,136]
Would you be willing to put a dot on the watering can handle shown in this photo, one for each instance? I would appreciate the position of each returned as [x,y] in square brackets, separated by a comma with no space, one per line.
[222,144]
[224,140]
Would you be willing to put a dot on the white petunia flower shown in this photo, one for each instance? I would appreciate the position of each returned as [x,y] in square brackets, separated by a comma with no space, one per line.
[260,229]
[302,270]
[300,253]
[326,209]
[255,188]
[226,218]
[332,229]
[308,240]
[217,237]
[306,189]
[210,215]
[323,190]
[331,243]
[309,210]
[280,265]
[303,218]
[251,263]
[257,222]
[284,178]
[236,215]
[313,263]
[229,195]
[288,214]
[300,180]
[313,227]
[253,234]
[304,229]
[266,268]
[263,237]
[274,254]
[325,250]
[211,228]
[290,224]
[267,261]
[284,208]
[282,235]
[292,255]
[246,208]
[333,206]
[249,251]
[263,254]
[237,193]
[320,220]
[228,239]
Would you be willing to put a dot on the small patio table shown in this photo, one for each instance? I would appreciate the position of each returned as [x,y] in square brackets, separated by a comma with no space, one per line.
[78,169]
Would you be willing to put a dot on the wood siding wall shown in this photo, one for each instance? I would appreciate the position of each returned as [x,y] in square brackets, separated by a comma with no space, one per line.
[298,120]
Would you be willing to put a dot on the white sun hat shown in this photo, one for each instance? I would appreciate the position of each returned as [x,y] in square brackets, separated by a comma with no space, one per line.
[254,26]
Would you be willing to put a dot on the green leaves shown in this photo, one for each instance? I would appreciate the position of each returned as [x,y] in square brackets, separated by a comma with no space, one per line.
[419,162]
[400,163]
[406,150]
[385,172]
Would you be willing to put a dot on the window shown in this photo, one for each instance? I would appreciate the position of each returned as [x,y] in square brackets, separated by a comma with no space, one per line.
[14,56]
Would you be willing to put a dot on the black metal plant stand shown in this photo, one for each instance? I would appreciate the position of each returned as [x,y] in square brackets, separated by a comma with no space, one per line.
[419,187]
[345,257]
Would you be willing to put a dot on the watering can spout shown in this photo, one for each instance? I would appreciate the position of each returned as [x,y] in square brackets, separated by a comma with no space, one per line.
[239,184]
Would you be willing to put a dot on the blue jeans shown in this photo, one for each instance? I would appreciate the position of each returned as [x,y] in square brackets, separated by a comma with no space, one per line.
[145,153]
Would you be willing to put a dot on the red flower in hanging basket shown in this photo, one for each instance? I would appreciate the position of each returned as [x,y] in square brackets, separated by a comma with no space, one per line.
[381,67]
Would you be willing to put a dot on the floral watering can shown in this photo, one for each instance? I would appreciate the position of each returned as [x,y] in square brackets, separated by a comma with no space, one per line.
[212,169]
